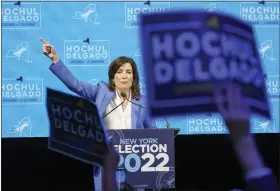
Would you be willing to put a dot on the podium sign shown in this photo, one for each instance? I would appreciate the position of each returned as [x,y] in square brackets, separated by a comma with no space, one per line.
[186,54]
[147,155]
[75,128]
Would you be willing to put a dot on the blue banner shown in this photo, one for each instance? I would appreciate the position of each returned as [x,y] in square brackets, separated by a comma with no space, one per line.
[88,36]
[187,54]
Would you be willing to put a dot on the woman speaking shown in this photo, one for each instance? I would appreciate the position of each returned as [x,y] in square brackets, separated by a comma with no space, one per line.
[119,102]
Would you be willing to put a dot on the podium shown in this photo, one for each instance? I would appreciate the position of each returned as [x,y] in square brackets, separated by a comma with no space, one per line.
[147,155]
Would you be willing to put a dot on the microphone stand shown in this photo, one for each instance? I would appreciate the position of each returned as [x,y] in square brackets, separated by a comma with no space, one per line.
[167,123]
[113,109]
[135,103]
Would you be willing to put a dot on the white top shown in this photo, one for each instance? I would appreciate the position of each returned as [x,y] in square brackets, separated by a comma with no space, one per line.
[118,119]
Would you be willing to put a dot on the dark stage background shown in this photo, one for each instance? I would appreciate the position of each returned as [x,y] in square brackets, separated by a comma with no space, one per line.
[203,162]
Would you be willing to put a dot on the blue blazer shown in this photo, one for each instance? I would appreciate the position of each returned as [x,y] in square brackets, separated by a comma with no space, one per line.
[101,95]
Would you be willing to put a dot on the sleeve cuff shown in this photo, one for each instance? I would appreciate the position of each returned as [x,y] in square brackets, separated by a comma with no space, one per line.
[52,66]
[258,173]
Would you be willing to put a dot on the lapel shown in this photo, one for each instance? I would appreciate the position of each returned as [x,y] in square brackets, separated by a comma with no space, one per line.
[108,97]
[134,111]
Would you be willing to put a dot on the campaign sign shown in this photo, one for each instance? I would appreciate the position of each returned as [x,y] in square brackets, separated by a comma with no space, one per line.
[75,128]
[147,155]
[186,54]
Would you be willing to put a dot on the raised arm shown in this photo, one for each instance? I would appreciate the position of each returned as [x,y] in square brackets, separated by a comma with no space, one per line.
[236,114]
[83,89]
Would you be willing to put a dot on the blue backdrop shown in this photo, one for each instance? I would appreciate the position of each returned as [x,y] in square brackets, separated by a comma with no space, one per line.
[112,31]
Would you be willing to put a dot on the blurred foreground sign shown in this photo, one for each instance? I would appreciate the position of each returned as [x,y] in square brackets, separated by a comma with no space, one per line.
[75,128]
[187,54]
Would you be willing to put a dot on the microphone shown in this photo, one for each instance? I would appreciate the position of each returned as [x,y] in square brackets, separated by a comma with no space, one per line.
[167,123]
[123,94]
[125,97]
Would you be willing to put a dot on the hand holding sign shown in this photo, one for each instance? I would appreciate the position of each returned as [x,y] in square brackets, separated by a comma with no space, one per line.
[234,109]
[111,160]
[109,169]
